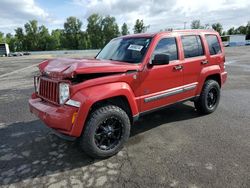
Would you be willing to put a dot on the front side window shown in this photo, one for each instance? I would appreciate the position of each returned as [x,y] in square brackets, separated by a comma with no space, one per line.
[167,46]
[214,45]
[131,50]
[192,46]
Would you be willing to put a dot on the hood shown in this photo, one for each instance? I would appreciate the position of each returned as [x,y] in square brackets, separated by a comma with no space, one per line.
[68,68]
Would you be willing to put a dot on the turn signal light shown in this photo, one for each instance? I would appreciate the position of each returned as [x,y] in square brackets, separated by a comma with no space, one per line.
[74,117]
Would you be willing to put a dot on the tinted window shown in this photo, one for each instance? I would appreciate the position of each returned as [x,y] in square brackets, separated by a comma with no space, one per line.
[192,46]
[167,46]
[214,45]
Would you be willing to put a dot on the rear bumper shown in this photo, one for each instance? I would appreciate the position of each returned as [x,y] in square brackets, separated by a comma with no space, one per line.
[223,78]
[59,118]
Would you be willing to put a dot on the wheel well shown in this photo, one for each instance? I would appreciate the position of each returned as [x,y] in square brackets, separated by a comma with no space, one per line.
[120,101]
[215,77]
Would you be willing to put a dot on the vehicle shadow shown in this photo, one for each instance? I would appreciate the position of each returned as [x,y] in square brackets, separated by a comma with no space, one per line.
[29,153]
[173,113]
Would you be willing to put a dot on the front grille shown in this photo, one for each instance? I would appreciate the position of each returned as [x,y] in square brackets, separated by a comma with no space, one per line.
[48,90]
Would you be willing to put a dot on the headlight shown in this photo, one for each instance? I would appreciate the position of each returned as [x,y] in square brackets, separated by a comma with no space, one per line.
[63,92]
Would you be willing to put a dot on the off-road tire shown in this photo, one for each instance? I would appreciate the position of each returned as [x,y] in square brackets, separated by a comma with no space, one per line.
[201,103]
[97,117]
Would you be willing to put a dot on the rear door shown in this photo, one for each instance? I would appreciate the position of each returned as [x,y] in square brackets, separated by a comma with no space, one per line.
[194,59]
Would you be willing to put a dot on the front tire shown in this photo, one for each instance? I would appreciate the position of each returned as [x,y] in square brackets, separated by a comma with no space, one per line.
[209,98]
[106,131]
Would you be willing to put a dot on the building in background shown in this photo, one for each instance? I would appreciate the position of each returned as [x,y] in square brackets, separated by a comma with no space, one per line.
[234,40]
[4,49]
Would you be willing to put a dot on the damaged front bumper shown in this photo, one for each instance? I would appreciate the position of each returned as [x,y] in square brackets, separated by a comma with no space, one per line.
[59,118]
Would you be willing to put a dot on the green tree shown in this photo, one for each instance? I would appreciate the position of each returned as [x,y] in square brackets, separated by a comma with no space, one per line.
[248,30]
[124,29]
[72,32]
[1,37]
[196,24]
[140,27]
[231,31]
[57,39]
[31,39]
[94,31]
[84,41]
[20,37]
[241,30]
[217,27]
[110,29]
[44,39]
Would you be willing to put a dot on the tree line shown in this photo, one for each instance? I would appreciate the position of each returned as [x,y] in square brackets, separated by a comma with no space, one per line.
[245,30]
[99,31]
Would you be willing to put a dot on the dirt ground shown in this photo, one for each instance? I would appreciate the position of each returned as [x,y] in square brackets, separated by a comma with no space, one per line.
[174,147]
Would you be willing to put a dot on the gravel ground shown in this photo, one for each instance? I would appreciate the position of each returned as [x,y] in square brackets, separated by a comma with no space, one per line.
[174,147]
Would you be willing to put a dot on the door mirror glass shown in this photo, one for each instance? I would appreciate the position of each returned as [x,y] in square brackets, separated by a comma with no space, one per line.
[160,59]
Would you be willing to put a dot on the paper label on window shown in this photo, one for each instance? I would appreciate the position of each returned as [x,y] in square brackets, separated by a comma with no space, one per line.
[135,47]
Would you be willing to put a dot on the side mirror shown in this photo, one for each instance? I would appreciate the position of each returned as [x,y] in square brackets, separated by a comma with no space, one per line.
[160,59]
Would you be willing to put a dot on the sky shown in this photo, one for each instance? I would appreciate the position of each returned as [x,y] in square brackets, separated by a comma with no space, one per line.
[159,14]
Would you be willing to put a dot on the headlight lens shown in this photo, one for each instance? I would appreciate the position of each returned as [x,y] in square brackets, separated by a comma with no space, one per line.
[63,92]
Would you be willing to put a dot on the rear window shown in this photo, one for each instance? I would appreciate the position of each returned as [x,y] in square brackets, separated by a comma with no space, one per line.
[214,45]
[192,46]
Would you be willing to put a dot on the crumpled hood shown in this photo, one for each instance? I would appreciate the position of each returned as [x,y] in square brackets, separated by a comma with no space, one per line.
[64,68]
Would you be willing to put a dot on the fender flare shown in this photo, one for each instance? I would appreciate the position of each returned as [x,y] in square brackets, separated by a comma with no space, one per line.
[207,71]
[89,96]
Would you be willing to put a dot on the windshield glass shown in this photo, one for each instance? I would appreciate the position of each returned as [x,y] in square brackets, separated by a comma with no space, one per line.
[131,50]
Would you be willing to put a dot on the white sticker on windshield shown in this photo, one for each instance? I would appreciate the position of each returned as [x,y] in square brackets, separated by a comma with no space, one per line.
[135,47]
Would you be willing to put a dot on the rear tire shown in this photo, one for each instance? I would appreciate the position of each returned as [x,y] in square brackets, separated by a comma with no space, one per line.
[106,131]
[209,98]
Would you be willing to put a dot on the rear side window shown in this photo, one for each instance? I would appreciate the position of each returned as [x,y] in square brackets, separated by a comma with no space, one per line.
[192,46]
[214,45]
[167,46]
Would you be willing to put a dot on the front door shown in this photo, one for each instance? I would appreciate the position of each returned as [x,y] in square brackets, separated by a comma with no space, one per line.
[160,84]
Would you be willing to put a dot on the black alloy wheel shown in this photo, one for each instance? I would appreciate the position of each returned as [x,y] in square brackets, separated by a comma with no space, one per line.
[209,97]
[212,98]
[106,131]
[108,134]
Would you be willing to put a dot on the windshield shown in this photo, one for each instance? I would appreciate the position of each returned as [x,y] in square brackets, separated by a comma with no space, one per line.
[131,50]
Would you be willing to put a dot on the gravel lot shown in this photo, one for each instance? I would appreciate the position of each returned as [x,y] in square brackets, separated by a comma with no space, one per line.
[171,148]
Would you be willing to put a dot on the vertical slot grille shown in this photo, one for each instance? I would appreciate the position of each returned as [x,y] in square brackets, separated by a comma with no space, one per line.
[48,90]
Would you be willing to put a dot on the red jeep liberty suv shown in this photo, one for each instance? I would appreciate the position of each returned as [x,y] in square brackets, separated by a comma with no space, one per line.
[97,100]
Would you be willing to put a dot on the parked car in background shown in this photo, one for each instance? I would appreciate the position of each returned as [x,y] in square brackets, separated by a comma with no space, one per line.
[26,53]
[97,100]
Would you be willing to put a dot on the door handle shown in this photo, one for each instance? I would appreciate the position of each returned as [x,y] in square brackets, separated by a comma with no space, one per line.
[178,67]
[204,62]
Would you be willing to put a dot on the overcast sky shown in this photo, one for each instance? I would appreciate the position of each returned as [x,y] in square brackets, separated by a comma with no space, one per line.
[159,14]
